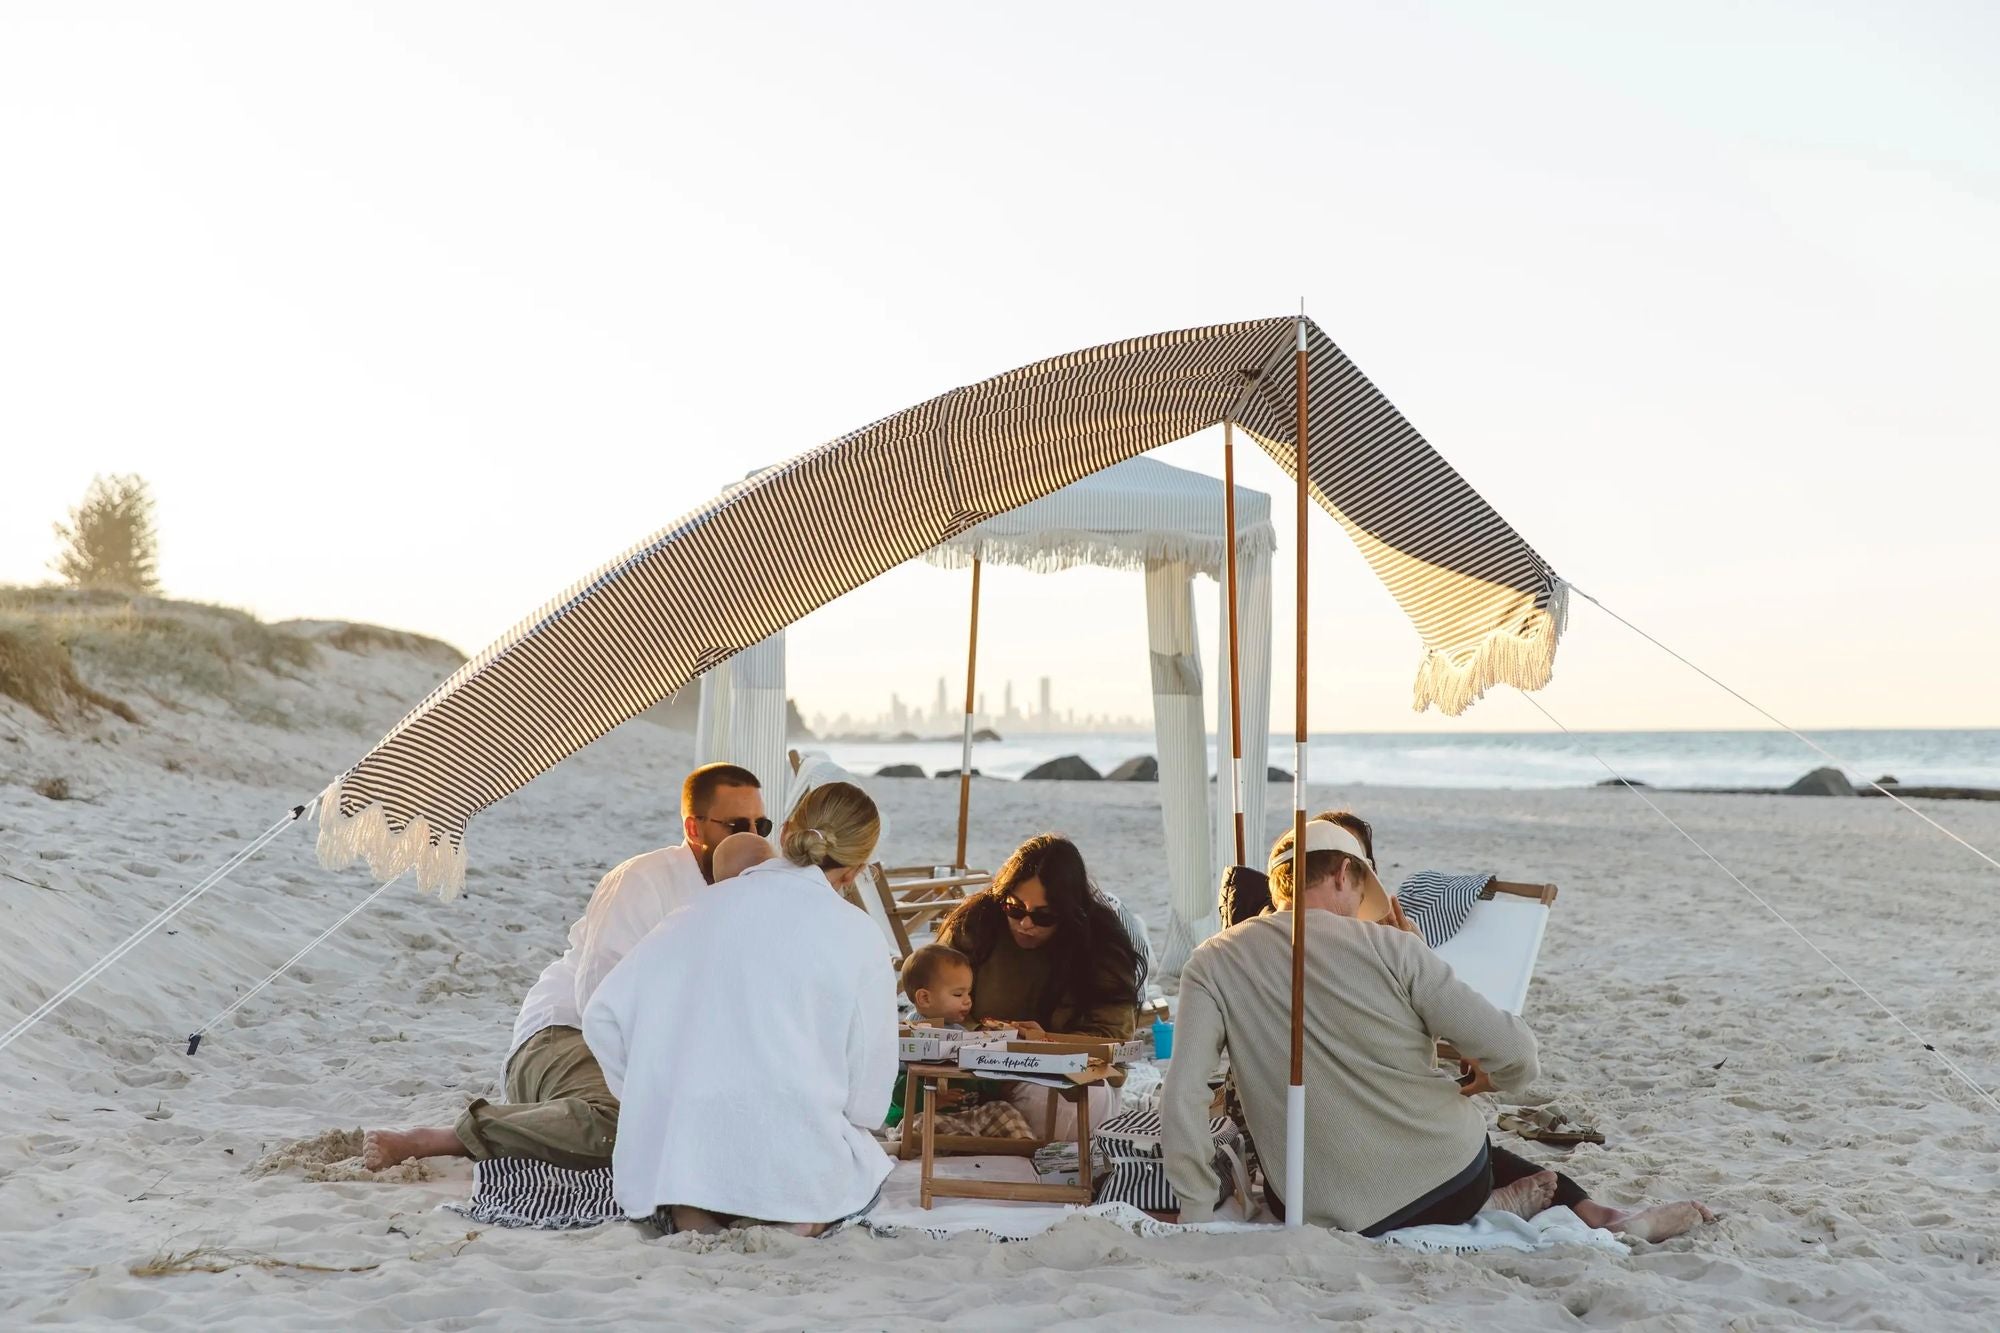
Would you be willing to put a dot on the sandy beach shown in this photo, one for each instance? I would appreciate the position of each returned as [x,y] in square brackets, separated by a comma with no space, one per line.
[1857,1181]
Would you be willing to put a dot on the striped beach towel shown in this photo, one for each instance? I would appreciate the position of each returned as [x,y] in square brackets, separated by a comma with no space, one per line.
[522,1192]
[1437,904]
[1132,1145]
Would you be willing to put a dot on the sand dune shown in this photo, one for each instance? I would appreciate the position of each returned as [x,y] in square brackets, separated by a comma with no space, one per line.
[1858,1182]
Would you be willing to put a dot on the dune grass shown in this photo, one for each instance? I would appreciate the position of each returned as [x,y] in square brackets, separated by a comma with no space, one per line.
[216,1259]
[36,669]
[68,653]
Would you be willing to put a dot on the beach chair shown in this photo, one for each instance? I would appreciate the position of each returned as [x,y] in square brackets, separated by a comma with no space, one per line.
[1494,952]
[911,900]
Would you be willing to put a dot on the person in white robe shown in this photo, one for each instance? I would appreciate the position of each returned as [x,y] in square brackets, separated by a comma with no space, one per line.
[751,1040]
[559,1108]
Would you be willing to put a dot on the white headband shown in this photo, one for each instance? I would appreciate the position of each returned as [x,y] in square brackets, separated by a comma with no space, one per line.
[1323,835]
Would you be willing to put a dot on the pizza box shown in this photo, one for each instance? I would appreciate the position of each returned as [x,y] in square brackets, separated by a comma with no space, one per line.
[919,1043]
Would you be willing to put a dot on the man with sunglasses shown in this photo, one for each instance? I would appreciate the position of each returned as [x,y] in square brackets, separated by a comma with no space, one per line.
[558,1108]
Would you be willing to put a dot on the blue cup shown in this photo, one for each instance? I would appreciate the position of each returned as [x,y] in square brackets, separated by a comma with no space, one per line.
[1163,1039]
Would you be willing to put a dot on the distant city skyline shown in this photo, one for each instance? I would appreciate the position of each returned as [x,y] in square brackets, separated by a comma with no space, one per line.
[946,718]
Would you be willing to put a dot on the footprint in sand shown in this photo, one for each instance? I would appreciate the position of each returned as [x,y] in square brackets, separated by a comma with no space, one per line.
[141,869]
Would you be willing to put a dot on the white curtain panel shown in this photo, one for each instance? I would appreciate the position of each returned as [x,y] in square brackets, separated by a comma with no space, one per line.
[742,717]
[1183,745]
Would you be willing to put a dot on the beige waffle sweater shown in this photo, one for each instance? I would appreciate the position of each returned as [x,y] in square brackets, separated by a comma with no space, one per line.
[1383,1125]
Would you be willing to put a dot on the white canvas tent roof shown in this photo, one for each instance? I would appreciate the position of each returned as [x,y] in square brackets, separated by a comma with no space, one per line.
[1141,515]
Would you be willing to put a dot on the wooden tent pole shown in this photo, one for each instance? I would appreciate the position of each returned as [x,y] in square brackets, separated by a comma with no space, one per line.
[1235,655]
[965,748]
[1295,1099]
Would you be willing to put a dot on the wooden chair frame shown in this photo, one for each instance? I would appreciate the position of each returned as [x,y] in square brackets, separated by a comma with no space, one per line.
[914,897]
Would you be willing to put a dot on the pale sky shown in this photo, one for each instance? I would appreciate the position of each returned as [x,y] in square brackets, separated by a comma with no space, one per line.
[414,313]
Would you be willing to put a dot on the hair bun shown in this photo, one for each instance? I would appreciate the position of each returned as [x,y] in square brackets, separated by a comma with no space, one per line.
[832,826]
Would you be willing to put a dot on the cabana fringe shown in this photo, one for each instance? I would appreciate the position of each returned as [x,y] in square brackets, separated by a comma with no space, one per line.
[1054,552]
[1523,656]
[369,836]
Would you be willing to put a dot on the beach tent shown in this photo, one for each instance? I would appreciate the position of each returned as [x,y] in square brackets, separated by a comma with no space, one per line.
[1487,608]
[735,571]
[1140,515]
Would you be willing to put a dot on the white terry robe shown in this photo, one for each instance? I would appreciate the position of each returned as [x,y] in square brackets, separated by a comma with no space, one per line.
[751,1042]
[632,898]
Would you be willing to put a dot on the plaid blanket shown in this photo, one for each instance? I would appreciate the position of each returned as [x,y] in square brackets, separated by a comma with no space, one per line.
[992,1120]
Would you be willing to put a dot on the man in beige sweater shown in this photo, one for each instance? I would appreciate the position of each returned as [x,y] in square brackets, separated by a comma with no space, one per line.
[1391,1140]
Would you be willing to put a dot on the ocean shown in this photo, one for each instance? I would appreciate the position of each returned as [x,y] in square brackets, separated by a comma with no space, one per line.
[1969,758]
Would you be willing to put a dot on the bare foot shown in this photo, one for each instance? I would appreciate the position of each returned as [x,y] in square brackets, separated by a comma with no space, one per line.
[806,1229]
[384,1148]
[696,1219]
[1663,1221]
[1527,1196]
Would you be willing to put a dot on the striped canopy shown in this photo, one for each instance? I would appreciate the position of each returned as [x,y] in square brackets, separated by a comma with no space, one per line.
[1486,606]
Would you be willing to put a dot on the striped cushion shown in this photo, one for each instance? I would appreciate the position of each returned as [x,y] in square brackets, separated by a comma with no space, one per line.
[1437,904]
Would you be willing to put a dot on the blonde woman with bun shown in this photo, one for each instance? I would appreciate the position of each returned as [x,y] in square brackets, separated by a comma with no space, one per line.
[751,1040]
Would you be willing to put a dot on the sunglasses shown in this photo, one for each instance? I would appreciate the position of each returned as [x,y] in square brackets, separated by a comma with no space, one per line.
[760,824]
[1017,910]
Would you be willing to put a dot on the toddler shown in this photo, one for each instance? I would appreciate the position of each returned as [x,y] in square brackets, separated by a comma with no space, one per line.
[738,852]
[938,983]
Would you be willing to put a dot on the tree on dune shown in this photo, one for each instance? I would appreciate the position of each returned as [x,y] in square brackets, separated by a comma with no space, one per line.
[109,541]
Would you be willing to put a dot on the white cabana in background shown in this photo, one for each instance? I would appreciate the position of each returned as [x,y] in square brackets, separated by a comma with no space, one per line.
[1142,515]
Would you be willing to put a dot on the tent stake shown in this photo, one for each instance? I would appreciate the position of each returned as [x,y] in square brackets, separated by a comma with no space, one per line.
[1295,1095]
[965,747]
[1235,657]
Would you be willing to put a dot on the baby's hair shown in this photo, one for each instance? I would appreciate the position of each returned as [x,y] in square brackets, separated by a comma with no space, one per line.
[921,968]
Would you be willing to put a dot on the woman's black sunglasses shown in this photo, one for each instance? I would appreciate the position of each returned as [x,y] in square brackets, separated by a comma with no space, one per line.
[762,825]
[1016,910]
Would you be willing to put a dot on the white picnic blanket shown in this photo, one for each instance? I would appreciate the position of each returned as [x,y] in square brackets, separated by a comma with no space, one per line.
[901,1213]
[1493,1230]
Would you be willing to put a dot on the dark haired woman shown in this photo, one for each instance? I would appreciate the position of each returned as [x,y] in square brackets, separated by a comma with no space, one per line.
[1049,954]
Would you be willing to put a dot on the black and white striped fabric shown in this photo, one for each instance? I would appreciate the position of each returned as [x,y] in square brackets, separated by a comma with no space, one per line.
[727,575]
[1130,1143]
[1438,904]
[521,1192]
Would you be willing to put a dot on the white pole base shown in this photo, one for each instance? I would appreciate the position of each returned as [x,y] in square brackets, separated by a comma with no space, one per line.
[1295,1156]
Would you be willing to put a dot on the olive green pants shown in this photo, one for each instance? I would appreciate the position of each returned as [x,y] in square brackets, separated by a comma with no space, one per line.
[558,1108]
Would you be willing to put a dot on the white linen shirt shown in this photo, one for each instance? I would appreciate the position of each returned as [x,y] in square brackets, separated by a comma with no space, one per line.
[630,900]
[751,1042]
